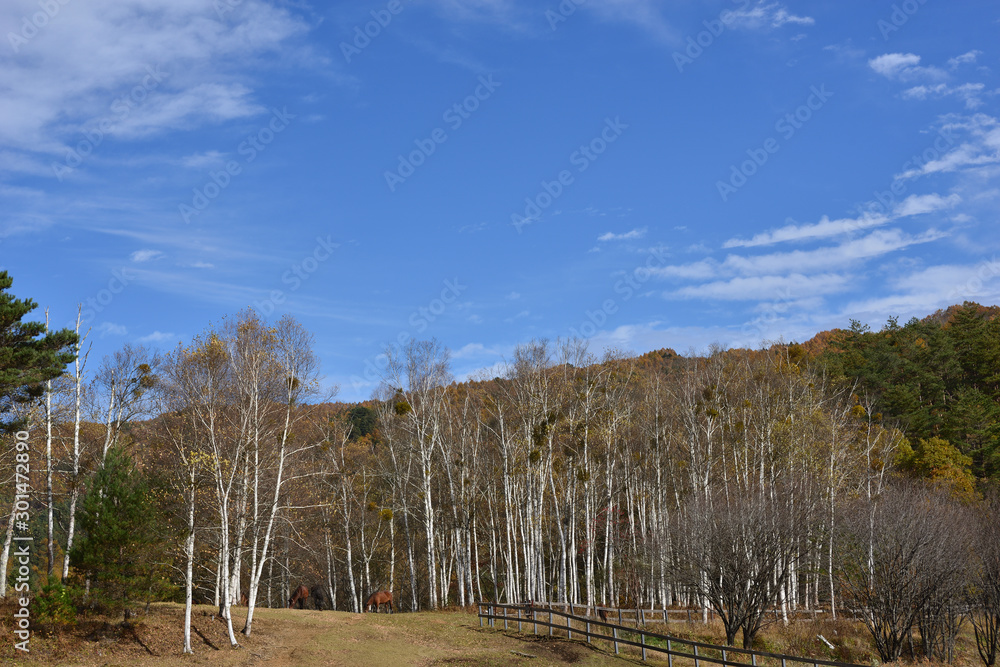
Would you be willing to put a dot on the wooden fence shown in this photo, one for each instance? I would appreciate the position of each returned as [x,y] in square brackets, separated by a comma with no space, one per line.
[685,615]
[697,652]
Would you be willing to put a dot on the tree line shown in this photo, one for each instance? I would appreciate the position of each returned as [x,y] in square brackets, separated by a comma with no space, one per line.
[738,481]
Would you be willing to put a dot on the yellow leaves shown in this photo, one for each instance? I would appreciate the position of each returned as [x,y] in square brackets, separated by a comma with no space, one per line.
[941,462]
[858,412]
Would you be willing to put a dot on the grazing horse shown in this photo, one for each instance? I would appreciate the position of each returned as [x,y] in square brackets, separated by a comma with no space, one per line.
[377,600]
[318,597]
[299,596]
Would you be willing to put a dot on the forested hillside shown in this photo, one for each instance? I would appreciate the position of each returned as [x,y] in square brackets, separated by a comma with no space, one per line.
[853,474]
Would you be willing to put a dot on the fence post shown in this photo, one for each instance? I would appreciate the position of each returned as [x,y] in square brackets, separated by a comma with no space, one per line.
[505,618]
[696,662]
[753,659]
[480,607]
[588,632]
[642,617]
[670,654]
[614,632]
[642,640]
[689,615]
[723,656]
[569,627]
[518,620]
[550,622]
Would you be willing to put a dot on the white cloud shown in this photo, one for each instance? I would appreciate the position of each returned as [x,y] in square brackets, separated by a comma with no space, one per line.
[702,270]
[756,288]
[627,236]
[965,58]
[924,291]
[110,329]
[878,243]
[140,66]
[145,255]
[202,160]
[803,232]
[766,15]
[159,337]
[513,296]
[904,67]
[970,93]
[920,204]
[982,147]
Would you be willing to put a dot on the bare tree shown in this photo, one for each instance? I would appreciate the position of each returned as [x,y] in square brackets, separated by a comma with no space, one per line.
[984,591]
[738,553]
[891,579]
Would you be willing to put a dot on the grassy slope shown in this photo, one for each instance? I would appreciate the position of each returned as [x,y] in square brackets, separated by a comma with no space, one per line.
[294,638]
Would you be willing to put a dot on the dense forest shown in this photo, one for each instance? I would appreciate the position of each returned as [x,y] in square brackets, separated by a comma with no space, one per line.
[856,472]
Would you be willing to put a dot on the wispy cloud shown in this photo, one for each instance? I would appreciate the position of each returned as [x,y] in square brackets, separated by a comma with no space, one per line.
[140,256]
[767,15]
[981,147]
[964,59]
[105,329]
[159,337]
[756,288]
[625,236]
[132,68]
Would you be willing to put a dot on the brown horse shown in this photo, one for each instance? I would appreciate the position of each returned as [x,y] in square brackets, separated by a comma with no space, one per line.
[603,614]
[243,599]
[299,596]
[377,600]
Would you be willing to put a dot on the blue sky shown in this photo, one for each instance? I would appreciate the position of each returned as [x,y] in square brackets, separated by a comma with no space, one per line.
[643,174]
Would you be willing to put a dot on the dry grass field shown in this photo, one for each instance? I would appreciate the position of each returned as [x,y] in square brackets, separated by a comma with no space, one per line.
[304,638]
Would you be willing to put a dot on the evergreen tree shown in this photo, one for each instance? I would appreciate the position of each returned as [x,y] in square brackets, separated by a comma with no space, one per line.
[28,356]
[123,546]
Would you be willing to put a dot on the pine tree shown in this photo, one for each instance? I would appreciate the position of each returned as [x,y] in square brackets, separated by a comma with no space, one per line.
[28,356]
[122,549]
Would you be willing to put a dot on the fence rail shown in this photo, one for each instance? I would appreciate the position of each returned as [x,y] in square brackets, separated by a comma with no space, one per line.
[623,635]
[691,615]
